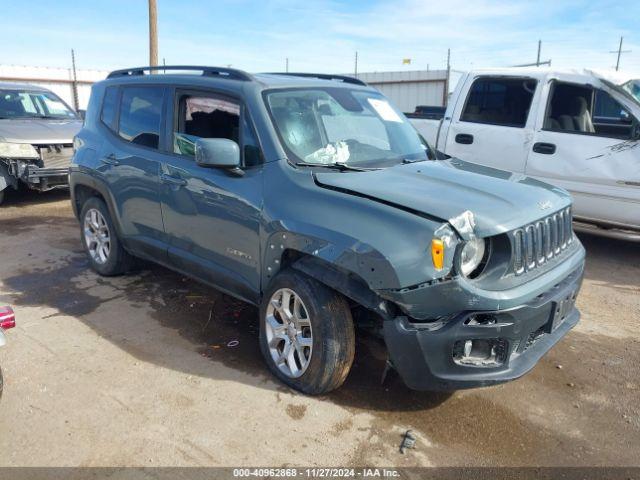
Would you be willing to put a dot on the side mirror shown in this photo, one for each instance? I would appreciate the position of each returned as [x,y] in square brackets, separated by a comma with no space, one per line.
[82,113]
[217,153]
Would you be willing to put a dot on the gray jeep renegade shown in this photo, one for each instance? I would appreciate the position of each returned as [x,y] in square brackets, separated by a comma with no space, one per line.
[312,197]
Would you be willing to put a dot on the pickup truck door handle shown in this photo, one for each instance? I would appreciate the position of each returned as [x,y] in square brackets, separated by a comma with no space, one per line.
[544,148]
[464,138]
[110,159]
[171,180]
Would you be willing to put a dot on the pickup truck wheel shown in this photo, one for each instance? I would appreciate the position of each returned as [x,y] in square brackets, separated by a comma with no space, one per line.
[101,243]
[306,333]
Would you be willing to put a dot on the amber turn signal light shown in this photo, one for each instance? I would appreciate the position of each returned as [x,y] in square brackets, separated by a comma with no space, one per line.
[437,253]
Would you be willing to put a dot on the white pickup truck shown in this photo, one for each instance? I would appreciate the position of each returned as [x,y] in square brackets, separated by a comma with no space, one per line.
[576,130]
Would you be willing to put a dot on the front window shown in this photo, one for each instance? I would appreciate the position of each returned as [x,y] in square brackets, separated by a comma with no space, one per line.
[342,126]
[499,101]
[32,104]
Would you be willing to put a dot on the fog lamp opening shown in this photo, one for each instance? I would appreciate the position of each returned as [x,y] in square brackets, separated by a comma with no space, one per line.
[480,352]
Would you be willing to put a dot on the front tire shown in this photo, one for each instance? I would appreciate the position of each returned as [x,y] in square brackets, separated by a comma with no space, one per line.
[306,333]
[104,250]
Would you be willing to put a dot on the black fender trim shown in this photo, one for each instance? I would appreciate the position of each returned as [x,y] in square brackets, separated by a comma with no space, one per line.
[85,180]
[346,283]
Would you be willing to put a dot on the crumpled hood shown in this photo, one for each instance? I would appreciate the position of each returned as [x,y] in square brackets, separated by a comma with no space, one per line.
[499,201]
[39,131]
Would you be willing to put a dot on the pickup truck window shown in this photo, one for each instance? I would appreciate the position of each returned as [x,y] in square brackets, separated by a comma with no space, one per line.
[336,125]
[586,110]
[140,114]
[499,101]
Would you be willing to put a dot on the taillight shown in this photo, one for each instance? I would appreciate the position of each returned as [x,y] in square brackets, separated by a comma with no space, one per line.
[7,318]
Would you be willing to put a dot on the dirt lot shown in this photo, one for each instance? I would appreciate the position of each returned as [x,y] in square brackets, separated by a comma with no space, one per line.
[131,371]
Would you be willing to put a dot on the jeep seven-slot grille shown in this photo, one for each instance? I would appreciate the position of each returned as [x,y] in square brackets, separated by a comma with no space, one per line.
[539,242]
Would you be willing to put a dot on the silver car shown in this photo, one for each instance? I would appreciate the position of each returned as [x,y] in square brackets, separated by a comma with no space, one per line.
[36,135]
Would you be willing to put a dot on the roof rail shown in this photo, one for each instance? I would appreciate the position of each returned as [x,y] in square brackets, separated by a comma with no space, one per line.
[323,76]
[230,73]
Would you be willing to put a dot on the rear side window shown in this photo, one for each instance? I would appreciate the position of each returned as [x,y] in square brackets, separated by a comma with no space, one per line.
[499,101]
[140,115]
[109,109]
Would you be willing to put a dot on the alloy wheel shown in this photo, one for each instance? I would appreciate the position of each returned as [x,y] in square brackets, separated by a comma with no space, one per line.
[288,332]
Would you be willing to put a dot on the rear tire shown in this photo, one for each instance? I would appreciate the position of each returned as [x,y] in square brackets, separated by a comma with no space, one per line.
[100,239]
[316,323]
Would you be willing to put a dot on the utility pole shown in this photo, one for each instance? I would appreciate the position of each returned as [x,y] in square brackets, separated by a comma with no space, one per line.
[539,48]
[153,33]
[286,65]
[619,52]
[355,71]
[445,94]
[76,103]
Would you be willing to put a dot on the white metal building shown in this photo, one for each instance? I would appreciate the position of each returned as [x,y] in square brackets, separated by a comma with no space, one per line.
[58,80]
[407,89]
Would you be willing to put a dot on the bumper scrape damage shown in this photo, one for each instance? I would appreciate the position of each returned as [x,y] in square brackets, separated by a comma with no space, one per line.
[481,337]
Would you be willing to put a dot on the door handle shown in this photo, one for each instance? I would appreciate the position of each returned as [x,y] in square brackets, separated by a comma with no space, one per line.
[168,179]
[544,148]
[110,159]
[464,138]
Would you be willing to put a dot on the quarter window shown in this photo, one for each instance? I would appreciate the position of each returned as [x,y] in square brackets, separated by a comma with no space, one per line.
[108,115]
[499,101]
[140,115]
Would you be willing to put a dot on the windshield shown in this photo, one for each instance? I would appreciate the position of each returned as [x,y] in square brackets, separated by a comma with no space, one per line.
[32,104]
[633,88]
[338,125]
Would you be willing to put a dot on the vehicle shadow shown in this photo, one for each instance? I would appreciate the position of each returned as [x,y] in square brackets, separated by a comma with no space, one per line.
[25,197]
[217,326]
[611,261]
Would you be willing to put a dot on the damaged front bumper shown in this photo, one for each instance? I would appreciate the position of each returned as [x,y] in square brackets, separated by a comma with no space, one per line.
[499,340]
[46,178]
[37,177]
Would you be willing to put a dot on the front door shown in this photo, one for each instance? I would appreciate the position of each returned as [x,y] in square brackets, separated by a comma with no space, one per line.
[492,126]
[212,216]
[587,144]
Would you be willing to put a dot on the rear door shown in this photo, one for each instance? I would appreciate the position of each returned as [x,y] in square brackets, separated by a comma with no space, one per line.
[586,142]
[493,125]
[211,215]
[130,164]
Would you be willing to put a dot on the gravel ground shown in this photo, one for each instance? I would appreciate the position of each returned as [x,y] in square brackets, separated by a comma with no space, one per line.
[137,370]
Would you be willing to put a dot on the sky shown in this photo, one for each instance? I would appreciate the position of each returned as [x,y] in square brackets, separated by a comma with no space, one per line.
[322,35]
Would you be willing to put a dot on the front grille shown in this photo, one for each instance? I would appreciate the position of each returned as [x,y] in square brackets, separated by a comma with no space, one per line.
[539,242]
[56,155]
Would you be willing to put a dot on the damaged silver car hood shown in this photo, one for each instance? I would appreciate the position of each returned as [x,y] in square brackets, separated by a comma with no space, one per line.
[39,131]
[499,201]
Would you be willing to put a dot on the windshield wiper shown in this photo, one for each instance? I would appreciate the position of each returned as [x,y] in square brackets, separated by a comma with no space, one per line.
[407,160]
[51,117]
[336,166]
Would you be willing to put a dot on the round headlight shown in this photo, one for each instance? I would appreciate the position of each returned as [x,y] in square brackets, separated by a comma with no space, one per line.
[471,255]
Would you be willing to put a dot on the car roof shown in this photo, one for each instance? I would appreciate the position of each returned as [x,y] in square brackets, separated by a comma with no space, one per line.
[21,86]
[541,73]
[230,79]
